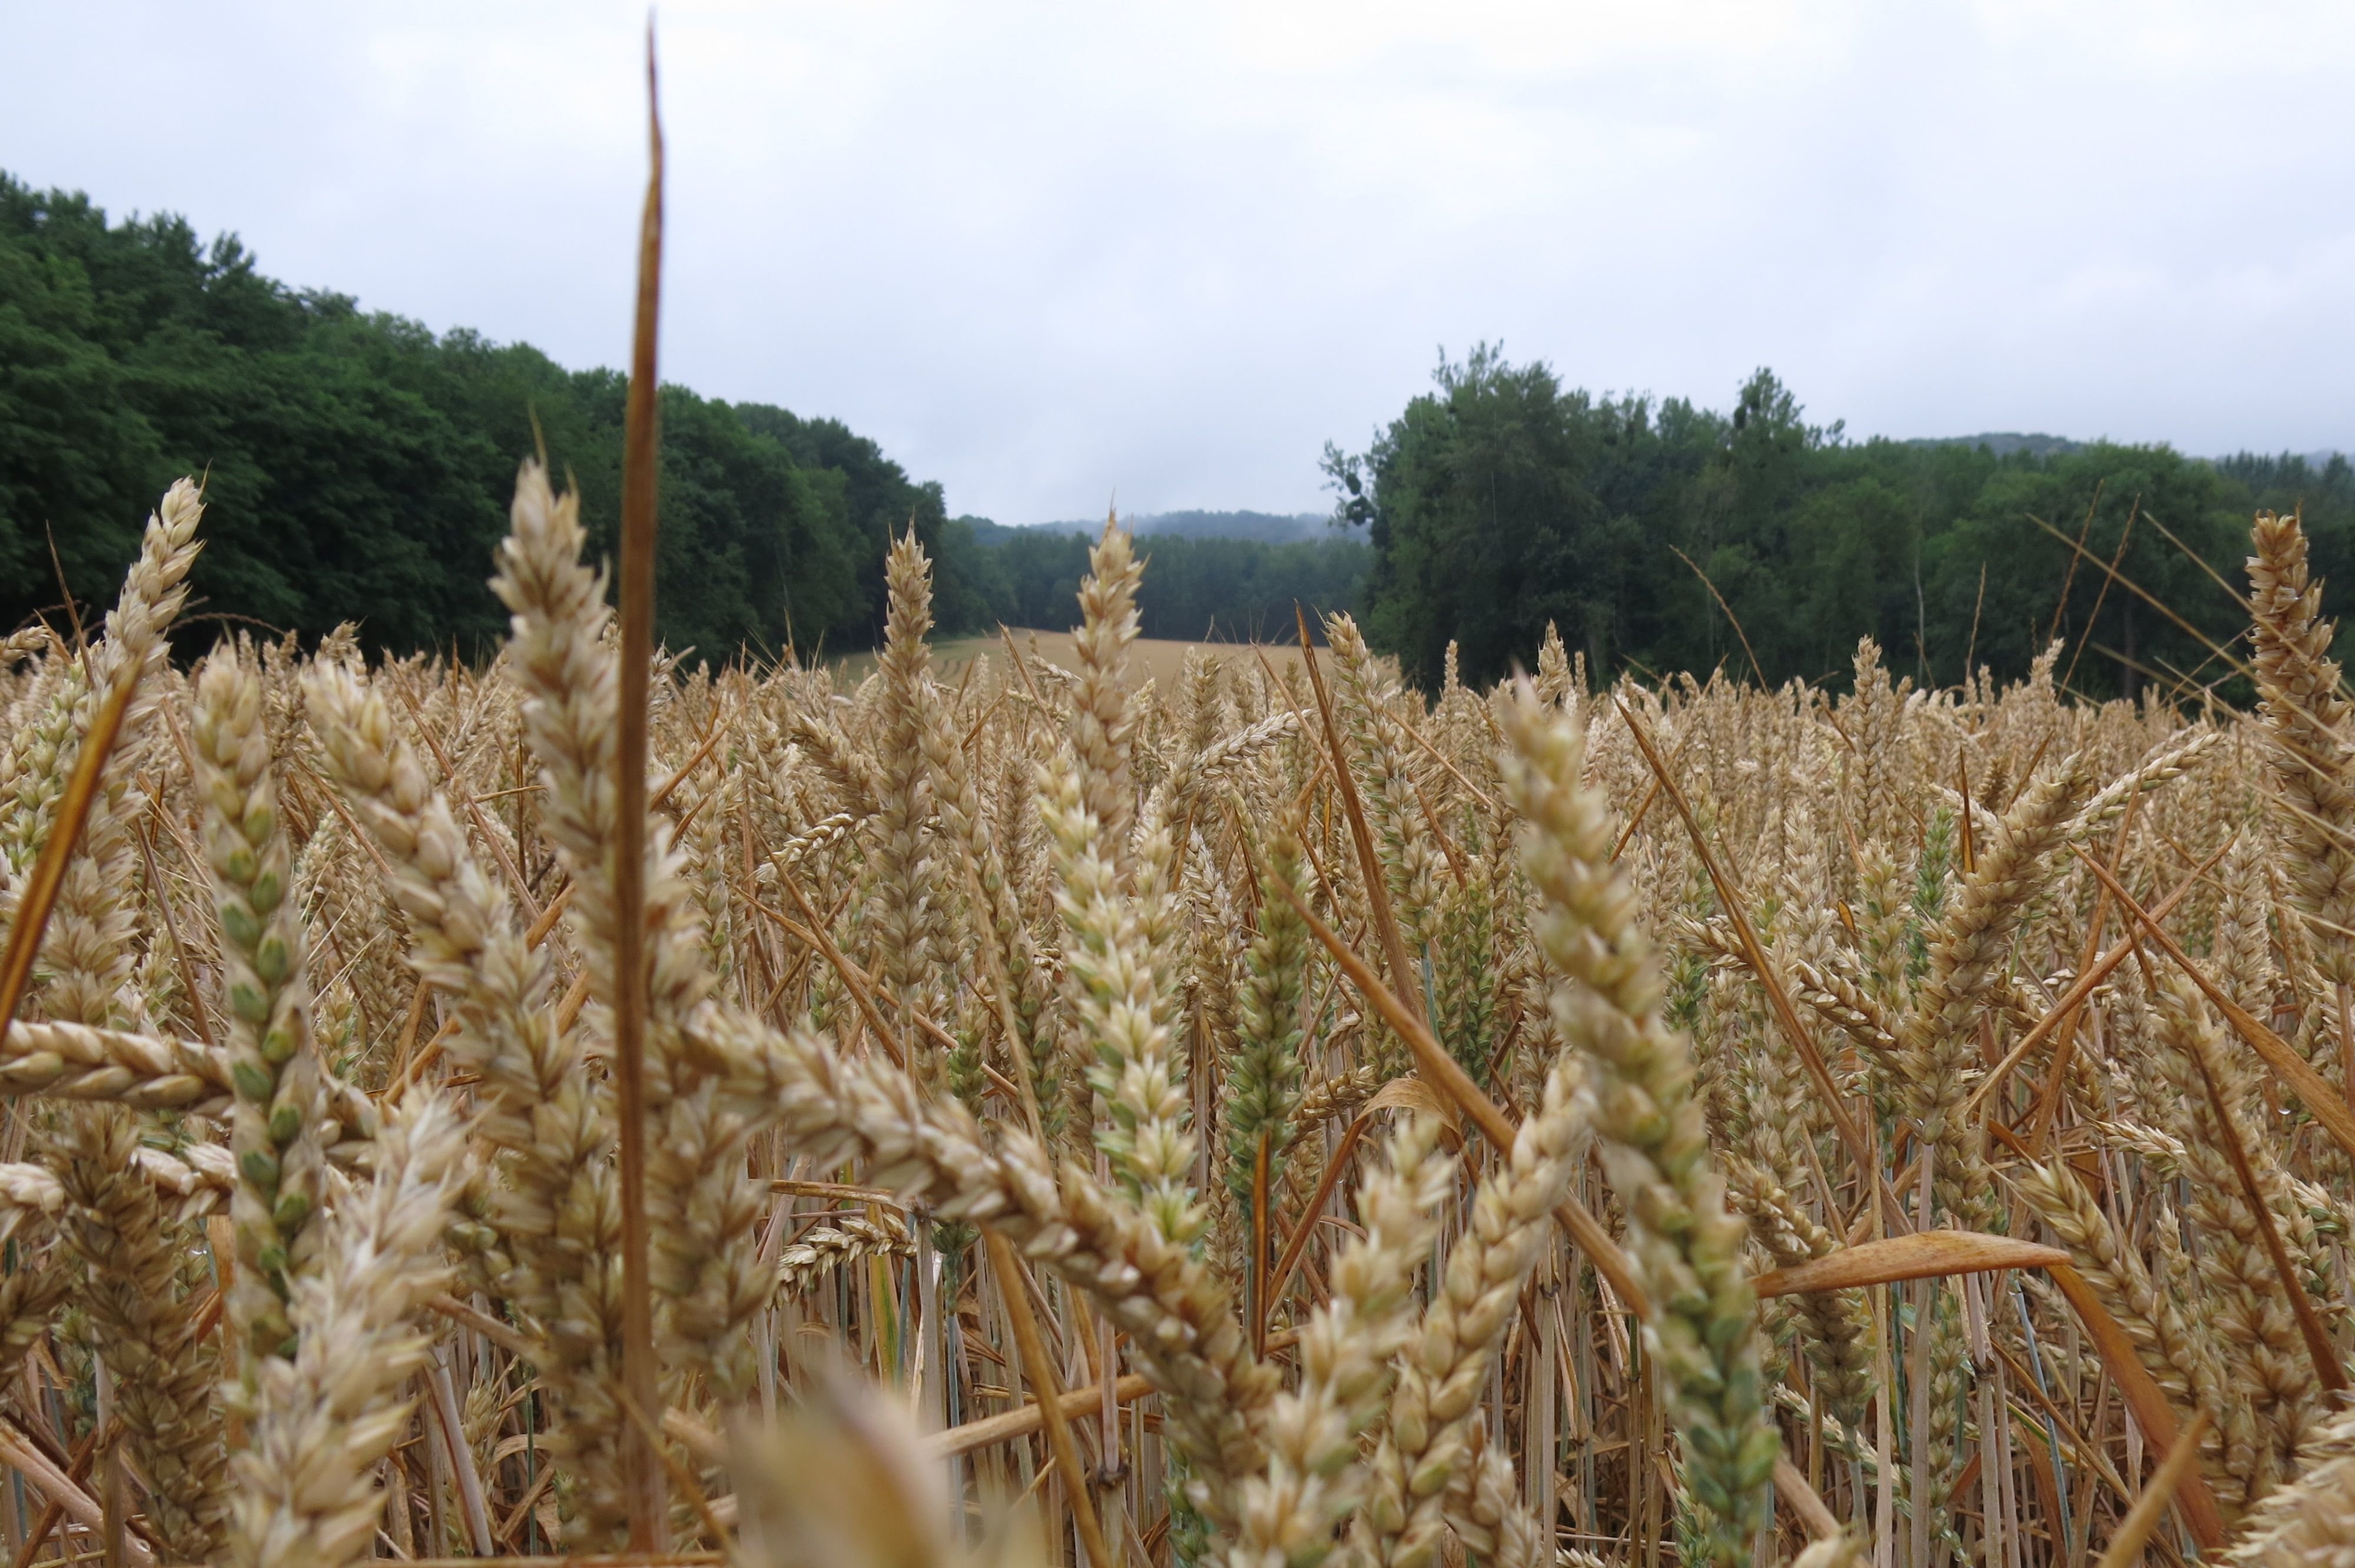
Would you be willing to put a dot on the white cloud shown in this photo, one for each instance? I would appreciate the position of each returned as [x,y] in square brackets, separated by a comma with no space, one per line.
[1051,253]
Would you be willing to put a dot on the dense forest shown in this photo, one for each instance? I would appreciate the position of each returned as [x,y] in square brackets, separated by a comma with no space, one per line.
[1659,535]
[358,467]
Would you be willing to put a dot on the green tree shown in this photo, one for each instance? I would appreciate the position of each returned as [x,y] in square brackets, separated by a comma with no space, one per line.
[1486,524]
[1667,537]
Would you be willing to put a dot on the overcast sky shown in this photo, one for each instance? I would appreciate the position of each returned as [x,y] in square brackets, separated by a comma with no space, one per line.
[1054,256]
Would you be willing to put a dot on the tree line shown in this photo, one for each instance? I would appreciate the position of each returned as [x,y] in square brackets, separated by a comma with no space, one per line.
[1195,589]
[358,466]
[1660,536]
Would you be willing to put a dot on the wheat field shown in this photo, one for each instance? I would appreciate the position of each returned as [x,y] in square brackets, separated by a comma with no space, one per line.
[1246,1115]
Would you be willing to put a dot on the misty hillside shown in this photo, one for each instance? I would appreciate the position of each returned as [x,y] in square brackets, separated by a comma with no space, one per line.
[1265,527]
[2005,443]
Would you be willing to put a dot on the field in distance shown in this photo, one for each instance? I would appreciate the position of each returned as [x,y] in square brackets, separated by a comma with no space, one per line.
[1161,659]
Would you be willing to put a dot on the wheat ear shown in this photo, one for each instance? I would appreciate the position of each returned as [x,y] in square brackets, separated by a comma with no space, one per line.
[701,1206]
[28,1192]
[1489,1518]
[1103,718]
[326,1419]
[31,1293]
[1412,866]
[35,766]
[2310,1522]
[1941,1042]
[2149,1318]
[273,1061]
[88,943]
[76,1062]
[1179,1320]
[1687,1248]
[2168,761]
[1839,1325]
[1262,1084]
[1845,1004]
[1313,1479]
[555,1211]
[166,1377]
[906,915]
[2310,757]
[1120,985]
[1428,1440]
[830,1247]
[2267,1410]
[1222,761]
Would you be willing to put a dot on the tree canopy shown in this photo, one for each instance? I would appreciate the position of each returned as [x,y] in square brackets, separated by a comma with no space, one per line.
[358,466]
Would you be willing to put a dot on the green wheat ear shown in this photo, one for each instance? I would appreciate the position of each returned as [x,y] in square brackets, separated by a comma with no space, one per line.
[1685,1246]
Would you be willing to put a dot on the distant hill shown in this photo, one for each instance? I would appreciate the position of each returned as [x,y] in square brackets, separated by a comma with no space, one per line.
[1266,527]
[1270,528]
[1203,581]
[2004,443]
